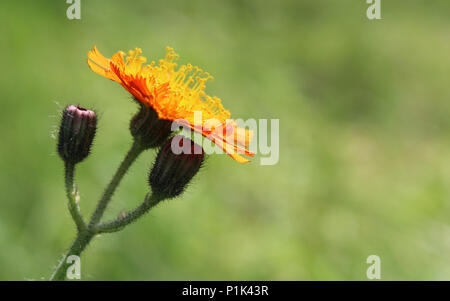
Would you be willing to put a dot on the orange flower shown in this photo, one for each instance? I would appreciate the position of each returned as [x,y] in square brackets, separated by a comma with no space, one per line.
[175,94]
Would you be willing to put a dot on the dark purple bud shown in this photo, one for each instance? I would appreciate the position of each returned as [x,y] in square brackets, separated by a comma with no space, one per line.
[76,133]
[176,164]
[148,129]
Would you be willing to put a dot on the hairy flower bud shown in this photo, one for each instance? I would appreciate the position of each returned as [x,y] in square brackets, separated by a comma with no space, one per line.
[76,133]
[176,164]
[148,129]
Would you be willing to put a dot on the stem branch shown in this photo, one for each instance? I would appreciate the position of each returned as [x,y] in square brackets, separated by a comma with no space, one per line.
[131,156]
[86,233]
[116,225]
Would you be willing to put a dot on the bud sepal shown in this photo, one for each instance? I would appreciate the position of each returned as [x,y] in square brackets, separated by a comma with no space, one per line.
[76,133]
[178,161]
[148,130]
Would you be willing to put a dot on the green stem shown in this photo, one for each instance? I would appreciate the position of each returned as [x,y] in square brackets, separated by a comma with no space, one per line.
[118,224]
[71,193]
[131,156]
[85,234]
[79,244]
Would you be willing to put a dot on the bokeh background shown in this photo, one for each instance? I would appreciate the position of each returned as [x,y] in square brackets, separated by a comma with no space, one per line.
[364,140]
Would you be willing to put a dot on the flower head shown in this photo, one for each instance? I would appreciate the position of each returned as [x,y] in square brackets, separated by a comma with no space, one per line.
[172,171]
[175,93]
[76,133]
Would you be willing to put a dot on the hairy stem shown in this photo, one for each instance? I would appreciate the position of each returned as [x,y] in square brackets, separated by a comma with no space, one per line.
[71,193]
[77,247]
[116,225]
[85,234]
[131,156]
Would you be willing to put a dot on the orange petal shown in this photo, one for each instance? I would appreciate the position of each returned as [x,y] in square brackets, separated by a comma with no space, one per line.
[100,65]
[98,58]
[243,137]
[230,149]
[117,59]
[230,144]
[226,147]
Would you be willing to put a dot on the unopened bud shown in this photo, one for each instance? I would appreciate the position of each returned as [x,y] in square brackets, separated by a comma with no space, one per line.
[148,129]
[176,164]
[76,133]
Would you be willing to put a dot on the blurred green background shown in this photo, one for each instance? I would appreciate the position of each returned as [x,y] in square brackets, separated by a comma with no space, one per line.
[364,140]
